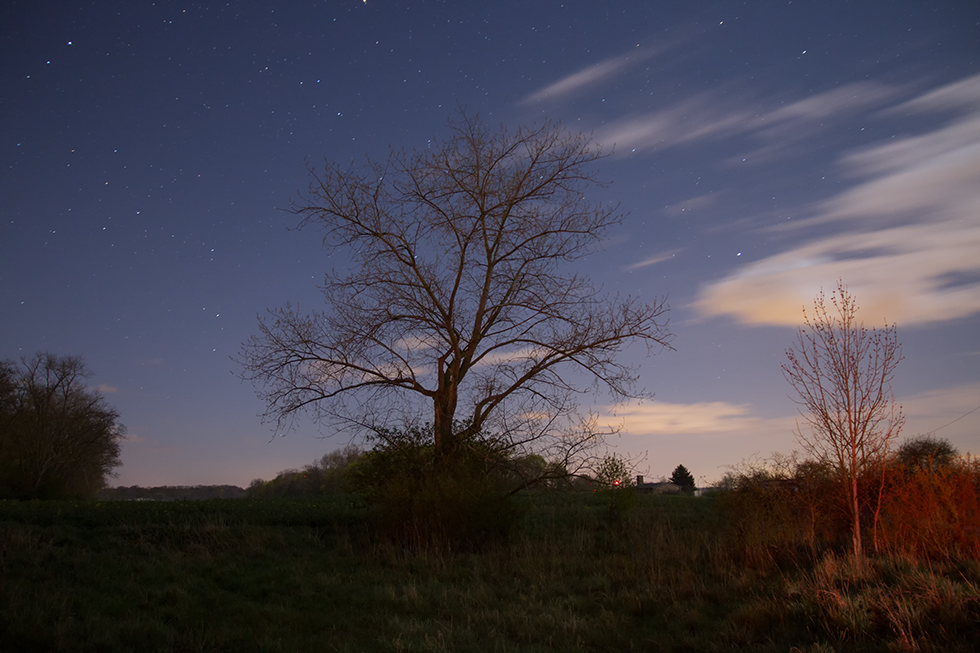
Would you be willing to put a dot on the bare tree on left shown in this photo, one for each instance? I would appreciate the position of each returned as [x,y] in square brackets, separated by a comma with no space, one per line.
[58,436]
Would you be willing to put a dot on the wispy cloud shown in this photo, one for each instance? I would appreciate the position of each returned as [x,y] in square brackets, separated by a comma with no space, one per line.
[905,239]
[690,120]
[725,113]
[653,260]
[847,99]
[693,204]
[594,74]
[102,387]
[725,433]
[721,432]
[679,419]
[911,274]
[947,412]
[579,80]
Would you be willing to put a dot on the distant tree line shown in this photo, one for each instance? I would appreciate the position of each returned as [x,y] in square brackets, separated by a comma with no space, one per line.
[58,436]
[172,493]
[328,475]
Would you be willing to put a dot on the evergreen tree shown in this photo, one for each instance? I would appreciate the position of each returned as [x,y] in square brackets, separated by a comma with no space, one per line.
[683,478]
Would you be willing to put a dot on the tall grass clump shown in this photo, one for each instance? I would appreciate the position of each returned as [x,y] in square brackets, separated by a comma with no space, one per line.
[892,603]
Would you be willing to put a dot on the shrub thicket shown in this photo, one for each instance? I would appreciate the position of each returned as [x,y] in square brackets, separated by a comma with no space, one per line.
[786,507]
[615,481]
[461,502]
[783,508]
[933,511]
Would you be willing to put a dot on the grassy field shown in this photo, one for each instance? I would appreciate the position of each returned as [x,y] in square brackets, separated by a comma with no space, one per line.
[309,575]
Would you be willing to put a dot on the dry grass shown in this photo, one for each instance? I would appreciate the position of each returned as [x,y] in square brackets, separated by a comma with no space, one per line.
[671,574]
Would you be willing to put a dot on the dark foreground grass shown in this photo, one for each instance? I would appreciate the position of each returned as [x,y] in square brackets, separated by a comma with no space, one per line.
[244,575]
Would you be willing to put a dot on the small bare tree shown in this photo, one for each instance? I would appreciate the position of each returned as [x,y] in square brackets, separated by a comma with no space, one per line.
[842,374]
[455,311]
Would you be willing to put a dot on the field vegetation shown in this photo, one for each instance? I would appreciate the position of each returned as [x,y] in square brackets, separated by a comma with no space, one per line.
[762,565]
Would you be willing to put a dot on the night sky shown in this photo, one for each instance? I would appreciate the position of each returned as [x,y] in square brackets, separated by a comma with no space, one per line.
[762,150]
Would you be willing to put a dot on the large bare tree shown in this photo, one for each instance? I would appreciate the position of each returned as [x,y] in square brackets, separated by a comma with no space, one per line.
[842,373]
[457,308]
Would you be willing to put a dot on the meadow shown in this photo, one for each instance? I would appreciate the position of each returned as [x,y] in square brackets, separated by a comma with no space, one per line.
[578,573]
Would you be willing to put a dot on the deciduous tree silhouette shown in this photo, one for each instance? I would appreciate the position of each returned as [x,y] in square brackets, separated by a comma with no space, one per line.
[58,437]
[456,308]
[926,452]
[842,374]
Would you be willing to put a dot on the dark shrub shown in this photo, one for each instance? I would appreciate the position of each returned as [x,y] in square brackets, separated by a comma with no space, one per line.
[785,510]
[460,502]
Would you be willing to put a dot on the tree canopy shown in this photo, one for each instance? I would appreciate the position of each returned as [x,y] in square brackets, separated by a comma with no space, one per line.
[926,452]
[58,437]
[458,315]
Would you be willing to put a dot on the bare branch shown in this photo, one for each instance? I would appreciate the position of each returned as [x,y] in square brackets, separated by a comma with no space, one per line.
[456,305]
[842,374]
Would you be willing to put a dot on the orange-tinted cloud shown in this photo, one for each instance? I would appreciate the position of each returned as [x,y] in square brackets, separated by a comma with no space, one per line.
[905,238]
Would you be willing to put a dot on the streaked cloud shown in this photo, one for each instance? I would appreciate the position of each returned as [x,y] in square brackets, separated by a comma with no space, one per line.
[659,417]
[693,119]
[693,204]
[579,80]
[810,111]
[653,260]
[904,274]
[964,94]
[103,387]
[948,412]
[905,238]
[726,113]
[595,74]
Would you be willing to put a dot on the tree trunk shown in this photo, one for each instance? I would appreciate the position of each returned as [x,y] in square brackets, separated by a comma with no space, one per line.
[856,517]
[444,414]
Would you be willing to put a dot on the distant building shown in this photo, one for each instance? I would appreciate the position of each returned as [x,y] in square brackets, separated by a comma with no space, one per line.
[664,487]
